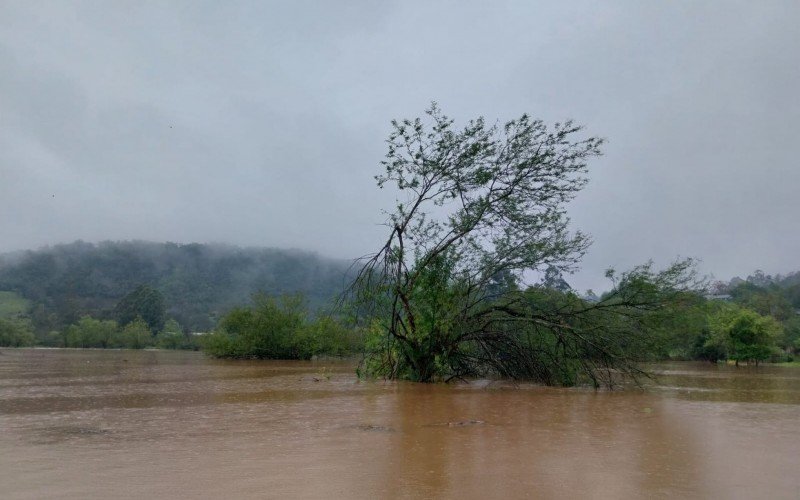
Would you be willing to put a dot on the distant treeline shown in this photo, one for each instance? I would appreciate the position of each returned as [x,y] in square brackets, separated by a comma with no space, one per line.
[756,318]
[265,303]
[50,289]
[753,321]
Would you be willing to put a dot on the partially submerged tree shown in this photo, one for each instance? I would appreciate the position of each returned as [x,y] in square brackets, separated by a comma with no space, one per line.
[485,206]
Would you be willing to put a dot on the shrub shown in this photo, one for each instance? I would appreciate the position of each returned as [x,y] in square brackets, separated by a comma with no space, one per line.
[264,330]
[173,337]
[135,335]
[326,336]
[278,328]
[90,332]
[15,333]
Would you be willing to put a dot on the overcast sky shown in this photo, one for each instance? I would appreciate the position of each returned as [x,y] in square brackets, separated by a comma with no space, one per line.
[261,123]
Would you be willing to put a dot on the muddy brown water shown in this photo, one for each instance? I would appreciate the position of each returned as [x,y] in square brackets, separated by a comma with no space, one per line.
[155,424]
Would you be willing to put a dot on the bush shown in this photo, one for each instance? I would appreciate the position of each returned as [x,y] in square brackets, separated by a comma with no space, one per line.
[744,335]
[326,337]
[90,332]
[15,333]
[135,335]
[173,337]
[278,328]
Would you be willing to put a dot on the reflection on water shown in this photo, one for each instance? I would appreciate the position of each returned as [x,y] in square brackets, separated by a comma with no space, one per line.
[131,424]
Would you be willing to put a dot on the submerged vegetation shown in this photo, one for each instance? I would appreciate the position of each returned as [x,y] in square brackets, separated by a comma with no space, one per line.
[89,332]
[280,328]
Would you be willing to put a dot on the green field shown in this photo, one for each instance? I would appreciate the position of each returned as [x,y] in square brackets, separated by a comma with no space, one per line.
[12,305]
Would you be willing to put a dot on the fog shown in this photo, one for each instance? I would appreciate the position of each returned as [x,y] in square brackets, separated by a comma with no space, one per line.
[263,124]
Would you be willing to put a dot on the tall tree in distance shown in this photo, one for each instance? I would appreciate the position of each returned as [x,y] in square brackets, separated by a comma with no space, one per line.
[554,279]
[144,302]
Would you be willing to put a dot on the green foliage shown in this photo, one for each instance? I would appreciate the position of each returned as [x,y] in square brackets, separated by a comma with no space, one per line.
[12,305]
[743,334]
[791,334]
[198,282]
[278,328]
[683,329]
[143,303]
[15,328]
[792,294]
[776,296]
[482,202]
[15,333]
[265,330]
[134,335]
[678,328]
[53,338]
[326,336]
[557,338]
[766,301]
[90,332]
[715,330]
[484,205]
[173,337]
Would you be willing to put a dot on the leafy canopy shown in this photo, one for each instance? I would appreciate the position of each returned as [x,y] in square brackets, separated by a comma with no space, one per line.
[491,198]
[482,207]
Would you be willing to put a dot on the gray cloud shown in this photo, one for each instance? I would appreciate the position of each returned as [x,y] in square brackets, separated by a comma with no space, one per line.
[263,123]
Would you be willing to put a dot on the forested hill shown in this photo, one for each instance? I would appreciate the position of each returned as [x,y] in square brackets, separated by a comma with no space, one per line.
[198,282]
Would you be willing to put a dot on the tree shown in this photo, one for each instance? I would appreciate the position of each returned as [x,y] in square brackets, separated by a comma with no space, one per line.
[765,300]
[480,203]
[266,330]
[90,332]
[144,302]
[134,335]
[15,333]
[279,328]
[791,335]
[325,336]
[173,337]
[554,280]
[743,334]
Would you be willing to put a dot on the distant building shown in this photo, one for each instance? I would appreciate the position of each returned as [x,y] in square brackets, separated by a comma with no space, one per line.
[719,296]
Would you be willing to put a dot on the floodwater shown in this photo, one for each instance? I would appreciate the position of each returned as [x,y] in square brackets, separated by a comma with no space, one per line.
[153,424]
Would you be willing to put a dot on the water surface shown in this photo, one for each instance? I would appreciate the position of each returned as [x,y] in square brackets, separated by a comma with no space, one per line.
[157,424]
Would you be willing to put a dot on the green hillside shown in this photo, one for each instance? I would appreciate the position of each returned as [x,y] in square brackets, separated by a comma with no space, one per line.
[59,284]
[12,305]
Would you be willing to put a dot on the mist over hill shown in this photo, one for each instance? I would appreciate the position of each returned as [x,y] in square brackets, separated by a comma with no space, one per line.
[199,282]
